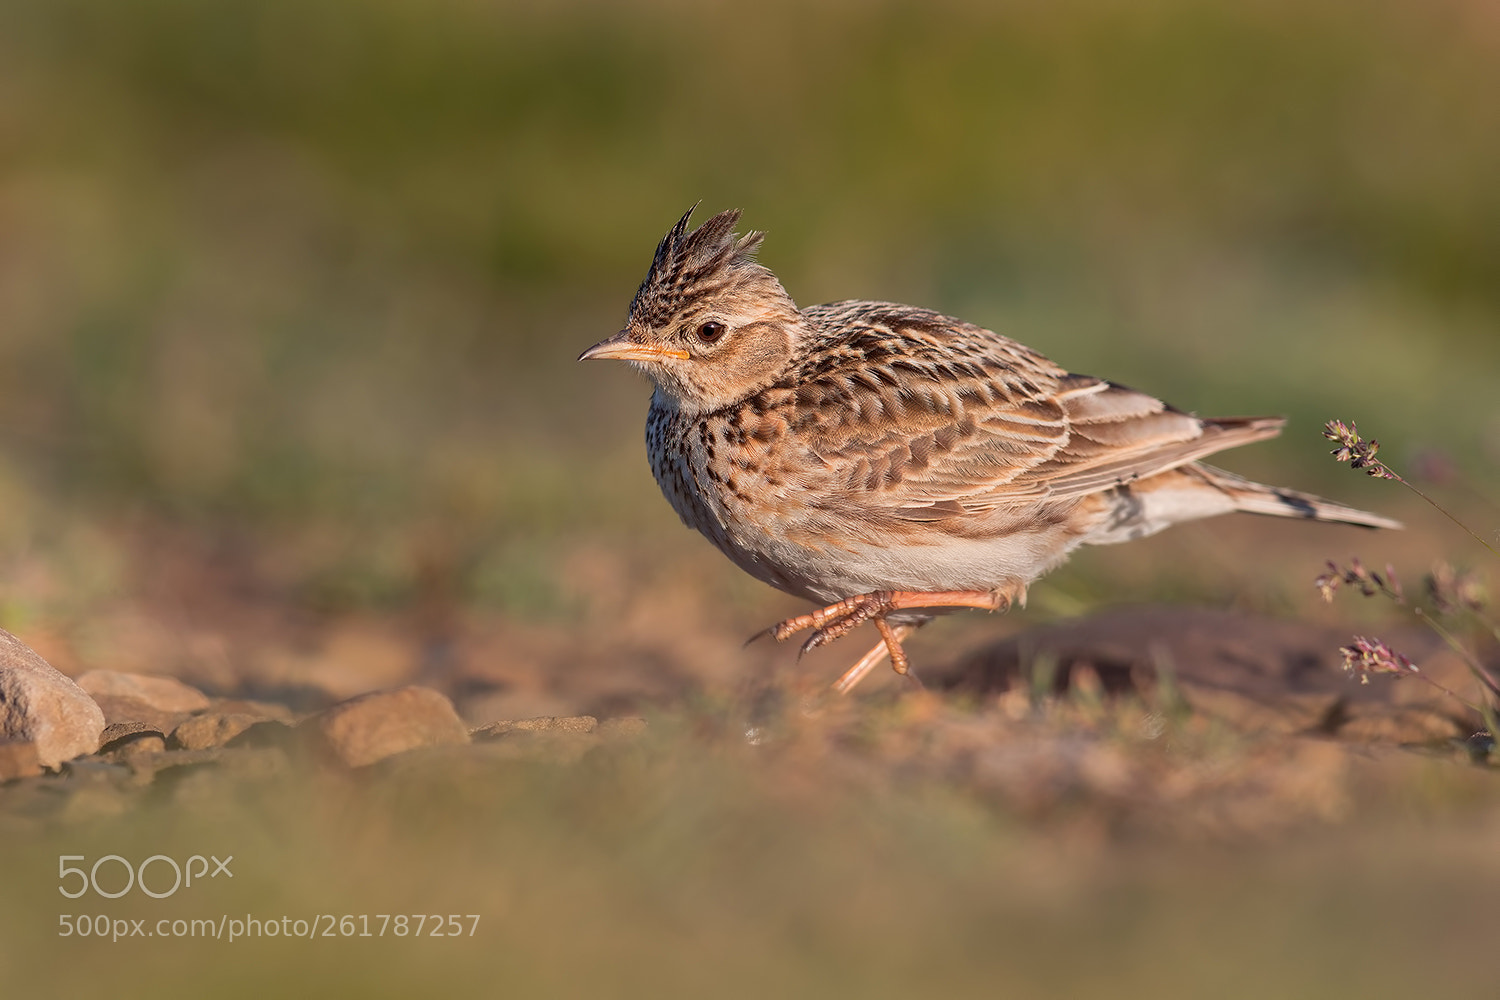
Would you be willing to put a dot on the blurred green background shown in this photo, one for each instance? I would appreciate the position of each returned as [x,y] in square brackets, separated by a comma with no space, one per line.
[324,264]
[298,285]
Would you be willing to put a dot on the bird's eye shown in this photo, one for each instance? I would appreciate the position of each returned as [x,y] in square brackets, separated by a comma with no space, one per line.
[711,331]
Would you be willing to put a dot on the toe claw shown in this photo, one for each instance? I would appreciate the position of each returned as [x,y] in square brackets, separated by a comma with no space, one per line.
[813,642]
[761,635]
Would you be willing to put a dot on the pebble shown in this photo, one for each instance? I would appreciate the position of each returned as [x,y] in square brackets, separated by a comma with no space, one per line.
[211,729]
[546,724]
[374,726]
[124,742]
[42,706]
[166,693]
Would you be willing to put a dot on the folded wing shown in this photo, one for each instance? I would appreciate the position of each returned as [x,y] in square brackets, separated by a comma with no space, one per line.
[923,417]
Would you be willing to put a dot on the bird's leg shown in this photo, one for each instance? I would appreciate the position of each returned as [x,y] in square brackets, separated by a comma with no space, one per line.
[839,619]
[863,605]
[892,640]
[889,645]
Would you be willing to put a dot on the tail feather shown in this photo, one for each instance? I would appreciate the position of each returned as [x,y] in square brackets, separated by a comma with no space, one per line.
[1257,498]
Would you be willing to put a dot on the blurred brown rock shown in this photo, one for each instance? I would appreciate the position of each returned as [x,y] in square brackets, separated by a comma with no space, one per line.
[130,742]
[545,724]
[42,706]
[133,711]
[157,701]
[561,739]
[118,734]
[374,726]
[165,694]
[211,729]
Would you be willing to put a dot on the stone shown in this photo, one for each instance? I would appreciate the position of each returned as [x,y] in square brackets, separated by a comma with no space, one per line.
[127,742]
[116,734]
[18,759]
[165,694]
[554,739]
[156,701]
[577,724]
[42,706]
[133,711]
[211,729]
[374,726]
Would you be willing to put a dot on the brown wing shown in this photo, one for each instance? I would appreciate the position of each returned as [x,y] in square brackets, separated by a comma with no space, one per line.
[1118,435]
[923,417]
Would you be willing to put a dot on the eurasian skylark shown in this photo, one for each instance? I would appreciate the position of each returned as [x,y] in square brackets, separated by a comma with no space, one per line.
[891,462]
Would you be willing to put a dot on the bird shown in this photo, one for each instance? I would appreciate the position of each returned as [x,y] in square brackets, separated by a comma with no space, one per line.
[891,463]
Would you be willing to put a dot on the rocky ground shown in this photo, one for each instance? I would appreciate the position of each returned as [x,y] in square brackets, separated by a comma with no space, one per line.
[74,750]
[1142,801]
[1021,718]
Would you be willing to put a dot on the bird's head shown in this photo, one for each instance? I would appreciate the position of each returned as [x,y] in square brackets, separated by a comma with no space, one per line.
[709,324]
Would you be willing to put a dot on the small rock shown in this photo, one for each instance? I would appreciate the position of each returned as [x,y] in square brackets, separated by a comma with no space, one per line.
[42,706]
[211,729]
[165,694]
[133,711]
[545,724]
[116,734]
[18,759]
[126,742]
[374,726]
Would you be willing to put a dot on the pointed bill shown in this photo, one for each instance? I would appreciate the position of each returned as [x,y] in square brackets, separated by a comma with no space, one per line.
[621,348]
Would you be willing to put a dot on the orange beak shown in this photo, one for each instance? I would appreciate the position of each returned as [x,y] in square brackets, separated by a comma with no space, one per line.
[619,348]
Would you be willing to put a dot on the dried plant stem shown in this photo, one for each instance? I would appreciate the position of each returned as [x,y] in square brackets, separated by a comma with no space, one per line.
[1449,591]
[1480,671]
[1360,453]
[1445,512]
[1476,707]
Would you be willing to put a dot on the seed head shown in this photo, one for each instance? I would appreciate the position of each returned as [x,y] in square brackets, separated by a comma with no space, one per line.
[1372,656]
[1354,449]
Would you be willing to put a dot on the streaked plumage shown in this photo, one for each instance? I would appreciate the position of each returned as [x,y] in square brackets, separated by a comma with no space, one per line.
[872,456]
